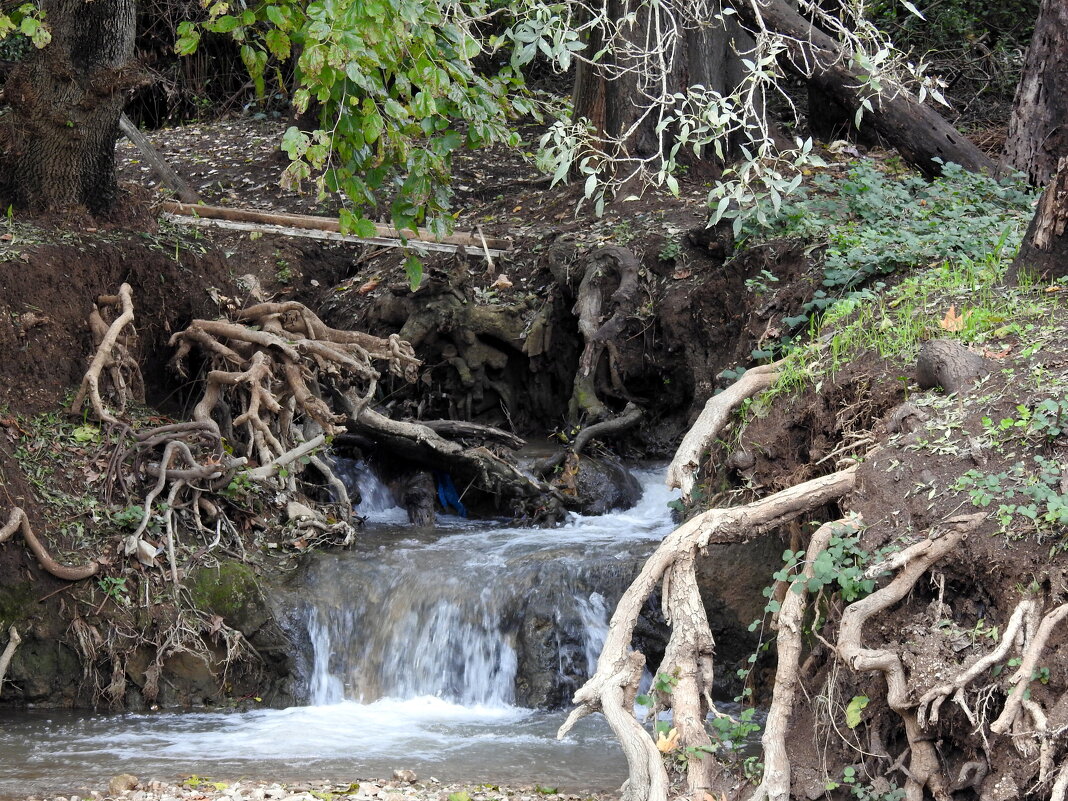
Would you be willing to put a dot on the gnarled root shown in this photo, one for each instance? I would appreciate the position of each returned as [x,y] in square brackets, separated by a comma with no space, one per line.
[775,784]
[18,521]
[924,766]
[9,651]
[610,689]
[711,421]
[112,358]
[604,264]
[270,365]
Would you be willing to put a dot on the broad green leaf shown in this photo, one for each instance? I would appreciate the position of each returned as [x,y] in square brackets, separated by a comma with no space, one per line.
[854,709]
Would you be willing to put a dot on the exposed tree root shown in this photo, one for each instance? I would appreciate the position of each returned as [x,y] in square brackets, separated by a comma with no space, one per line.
[710,423]
[18,521]
[775,784]
[931,701]
[461,429]
[625,420]
[13,640]
[689,656]
[924,768]
[424,446]
[1021,679]
[113,356]
[604,266]
[1060,785]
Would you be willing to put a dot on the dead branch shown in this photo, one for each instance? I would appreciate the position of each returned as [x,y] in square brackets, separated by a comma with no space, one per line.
[615,680]
[163,170]
[111,355]
[924,765]
[628,418]
[775,784]
[711,422]
[422,445]
[18,521]
[9,651]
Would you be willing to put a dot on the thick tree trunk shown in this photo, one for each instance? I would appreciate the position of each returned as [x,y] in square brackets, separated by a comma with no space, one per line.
[66,102]
[1044,252]
[1038,128]
[706,56]
[919,134]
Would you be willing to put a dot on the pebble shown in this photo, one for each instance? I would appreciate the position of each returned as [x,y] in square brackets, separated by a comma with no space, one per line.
[121,783]
[404,786]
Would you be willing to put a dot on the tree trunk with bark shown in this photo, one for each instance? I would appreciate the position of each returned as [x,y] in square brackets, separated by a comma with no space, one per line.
[1038,128]
[705,56]
[66,102]
[919,134]
[1044,252]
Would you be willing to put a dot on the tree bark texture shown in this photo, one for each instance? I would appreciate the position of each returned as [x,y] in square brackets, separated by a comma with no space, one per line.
[66,102]
[1038,128]
[1044,251]
[919,134]
[706,56]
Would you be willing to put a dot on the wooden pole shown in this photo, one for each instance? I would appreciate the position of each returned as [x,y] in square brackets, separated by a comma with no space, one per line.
[383,233]
[163,170]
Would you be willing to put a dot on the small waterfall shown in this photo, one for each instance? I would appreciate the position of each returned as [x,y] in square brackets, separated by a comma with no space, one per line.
[472,613]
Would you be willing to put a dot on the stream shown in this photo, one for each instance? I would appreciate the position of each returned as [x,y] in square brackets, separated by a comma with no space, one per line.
[425,648]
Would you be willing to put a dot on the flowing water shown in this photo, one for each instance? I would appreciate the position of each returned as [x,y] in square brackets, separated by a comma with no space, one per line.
[422,649]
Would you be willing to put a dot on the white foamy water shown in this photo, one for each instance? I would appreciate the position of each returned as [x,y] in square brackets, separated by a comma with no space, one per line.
[415,644]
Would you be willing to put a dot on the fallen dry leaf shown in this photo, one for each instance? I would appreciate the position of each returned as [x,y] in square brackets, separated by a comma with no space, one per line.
[1000,354]
[669,743]
[502,282]
[953,321]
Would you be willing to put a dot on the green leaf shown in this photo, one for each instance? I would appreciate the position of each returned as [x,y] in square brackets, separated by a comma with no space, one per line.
[278,43]
[224,24]
[853,710]
[413,268]
[87,433]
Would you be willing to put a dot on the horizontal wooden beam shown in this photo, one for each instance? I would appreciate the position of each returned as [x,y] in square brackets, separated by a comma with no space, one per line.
[332,236]
[313,227]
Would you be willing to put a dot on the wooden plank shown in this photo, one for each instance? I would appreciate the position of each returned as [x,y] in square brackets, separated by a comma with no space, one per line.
[422,237]
[332,236]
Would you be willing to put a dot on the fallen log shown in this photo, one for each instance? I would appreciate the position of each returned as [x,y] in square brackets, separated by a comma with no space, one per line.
[919,133]
[309,226]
